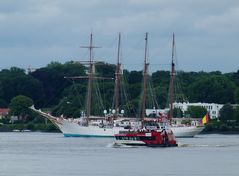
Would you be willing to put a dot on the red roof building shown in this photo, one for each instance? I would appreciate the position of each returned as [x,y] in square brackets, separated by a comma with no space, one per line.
[4,112]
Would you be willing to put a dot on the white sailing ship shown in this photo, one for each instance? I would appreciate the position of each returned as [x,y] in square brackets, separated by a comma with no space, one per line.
[91,126]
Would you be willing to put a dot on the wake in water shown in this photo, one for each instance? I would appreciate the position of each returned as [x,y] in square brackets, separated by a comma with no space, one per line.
[115,145]
[192,145]
[207,145]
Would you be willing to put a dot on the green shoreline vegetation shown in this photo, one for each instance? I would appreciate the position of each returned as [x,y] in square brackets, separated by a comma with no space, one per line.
[47,88]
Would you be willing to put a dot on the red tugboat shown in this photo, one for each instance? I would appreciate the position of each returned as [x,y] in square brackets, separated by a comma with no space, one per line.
[153,138]
[146,135]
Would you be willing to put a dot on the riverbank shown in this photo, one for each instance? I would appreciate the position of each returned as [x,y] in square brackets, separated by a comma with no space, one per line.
[234,131]
[29,127]
[221,128]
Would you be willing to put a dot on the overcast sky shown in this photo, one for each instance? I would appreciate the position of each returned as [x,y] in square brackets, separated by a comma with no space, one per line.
[36,32]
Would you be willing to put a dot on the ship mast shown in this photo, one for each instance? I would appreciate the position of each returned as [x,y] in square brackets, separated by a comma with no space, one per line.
[145,79]
[90,78]
[117,80]
[172,77]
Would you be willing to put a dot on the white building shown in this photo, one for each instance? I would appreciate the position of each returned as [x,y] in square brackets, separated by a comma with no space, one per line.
[212,108]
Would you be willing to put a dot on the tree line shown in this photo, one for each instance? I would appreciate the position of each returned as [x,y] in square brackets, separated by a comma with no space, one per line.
[52,87]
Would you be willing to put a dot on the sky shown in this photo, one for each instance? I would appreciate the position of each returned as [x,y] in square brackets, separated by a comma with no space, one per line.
[34,33]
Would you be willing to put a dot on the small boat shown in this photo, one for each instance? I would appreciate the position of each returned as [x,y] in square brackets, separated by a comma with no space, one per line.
[150,138]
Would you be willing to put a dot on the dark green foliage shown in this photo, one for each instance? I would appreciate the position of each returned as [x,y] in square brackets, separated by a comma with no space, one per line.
[236,94]
[236,114]
[3,104]
[161,94]
[161,78]
[132,108]
[135,77]
[15,82]
[19,106]
[212,89]
[234,77]
[177,112]
[54,81]
[196,111]
[226,113]
[105,69]
[33,127]
[68,107]
[48,87]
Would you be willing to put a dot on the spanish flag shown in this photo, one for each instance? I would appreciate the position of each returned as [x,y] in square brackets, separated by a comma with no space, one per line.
[205,119]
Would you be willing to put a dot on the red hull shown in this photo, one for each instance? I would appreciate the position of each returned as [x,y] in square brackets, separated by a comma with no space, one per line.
[147,138]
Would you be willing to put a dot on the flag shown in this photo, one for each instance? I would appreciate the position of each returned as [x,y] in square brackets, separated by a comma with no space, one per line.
[205,119]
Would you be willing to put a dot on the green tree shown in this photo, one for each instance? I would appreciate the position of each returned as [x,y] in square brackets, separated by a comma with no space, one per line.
[53,79]
[105,69]
[19,106]
[161,96]
[3,104]
[212,89]
[196,111]
[237,114]
[15,82]
[135,77]
[131,108]
[226,113]
[237,95]
[161,78]
[177,112]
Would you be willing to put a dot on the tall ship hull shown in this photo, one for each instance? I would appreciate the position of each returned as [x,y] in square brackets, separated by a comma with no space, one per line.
[186,131]
[74,128]
[71,129]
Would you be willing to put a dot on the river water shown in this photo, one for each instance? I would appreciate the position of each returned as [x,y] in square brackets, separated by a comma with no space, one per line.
[51,154]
